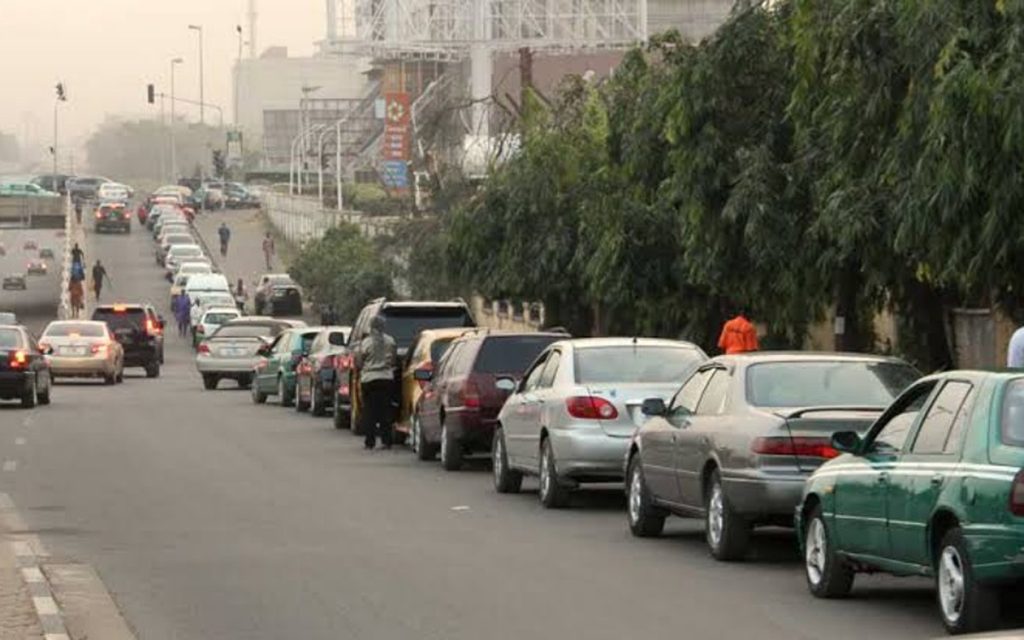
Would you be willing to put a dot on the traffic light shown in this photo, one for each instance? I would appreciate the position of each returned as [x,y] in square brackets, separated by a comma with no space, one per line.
[150,93]
[218,163]
[61,95]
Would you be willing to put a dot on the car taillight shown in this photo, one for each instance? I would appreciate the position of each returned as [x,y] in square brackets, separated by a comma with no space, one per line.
[98,348]
[1017,494]
[151,327]
[470,395]
[203,348]
[18,359]
[591,408]
[798,446]
[342,361]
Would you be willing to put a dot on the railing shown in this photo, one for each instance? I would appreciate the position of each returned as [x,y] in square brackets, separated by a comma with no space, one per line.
[301,219]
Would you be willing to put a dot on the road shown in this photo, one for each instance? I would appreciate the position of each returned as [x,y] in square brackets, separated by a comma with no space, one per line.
[38,304]
[209,517]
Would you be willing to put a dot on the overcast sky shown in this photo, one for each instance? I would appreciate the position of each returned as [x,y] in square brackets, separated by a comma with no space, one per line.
[106,51]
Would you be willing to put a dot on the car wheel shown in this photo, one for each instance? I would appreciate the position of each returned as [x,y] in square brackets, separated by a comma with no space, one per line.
[828,575]
[43,396]
[153,370]
[110,378]
[553,494]
[282,393]
[245,382]
[726,532]
[30,397]
[645,519]
[506,479]
[301,406]
[316,402]
[342,419]
[425,451]
[451,450]
[210,381]
[258,397]
[966,606]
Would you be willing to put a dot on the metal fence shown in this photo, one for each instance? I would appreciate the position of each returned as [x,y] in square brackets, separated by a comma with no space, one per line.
[301,219]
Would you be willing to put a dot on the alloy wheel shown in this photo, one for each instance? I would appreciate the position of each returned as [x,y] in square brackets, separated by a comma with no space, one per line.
[444,444]
[716,515]
[499,451]
[951,584]
[635,495]
[545,474]
[817,547]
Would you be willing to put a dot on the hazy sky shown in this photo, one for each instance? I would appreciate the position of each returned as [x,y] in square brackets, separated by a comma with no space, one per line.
[106,51]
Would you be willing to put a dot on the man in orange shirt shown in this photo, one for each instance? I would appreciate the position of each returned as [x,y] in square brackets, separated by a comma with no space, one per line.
[738,336]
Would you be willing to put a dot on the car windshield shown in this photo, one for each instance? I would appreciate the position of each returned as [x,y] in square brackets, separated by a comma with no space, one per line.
[10,339]
[248,331]
[438,347]
[510,354]
[628,364]
[1012,430]
[404,323]
[219,317]
[280,280]
[121,318]
[183,250]
[68,329]
[827,383]
[178,238]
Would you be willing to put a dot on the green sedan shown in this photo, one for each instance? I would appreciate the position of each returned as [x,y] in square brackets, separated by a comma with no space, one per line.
[275,374]
[935,488]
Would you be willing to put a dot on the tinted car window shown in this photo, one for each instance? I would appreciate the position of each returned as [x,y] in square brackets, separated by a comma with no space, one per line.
[938,422]
[438,347]
[510,354]
[337,338]
[824,383]
[219,318]
[10,339]
[714,394]
[547,378]
[1012,428]
[688,395]
[533,377]
[84,330]
[894,433]
[247,331]
[629,364]
[116,319]
[404,323]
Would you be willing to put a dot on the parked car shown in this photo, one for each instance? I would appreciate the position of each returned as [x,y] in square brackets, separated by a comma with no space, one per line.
[46,253]
[84,187]
[8,318]
[232,350]
[405,320]
[277,294]
[314,376]
[25,190]
[177,254]
[140,330]
[56,183]
[742,435]
[15,282]
[572,415]
[238,196]
[113,216]
[37,268]
[83,349]
[274,374]
[169,240]
[24,369]
[934,488]
[458,412]
[210,319]
[424,354]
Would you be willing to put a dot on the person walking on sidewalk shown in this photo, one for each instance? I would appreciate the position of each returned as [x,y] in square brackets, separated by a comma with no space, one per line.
[99,274]
[183,313]
[376,358]
[225,236]
[268,249]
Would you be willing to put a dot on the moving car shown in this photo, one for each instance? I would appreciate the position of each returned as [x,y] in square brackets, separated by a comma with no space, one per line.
[46,253]
[24,370]
[30,245]
[277,294]
[404,321]
[232,350]
[83,349]
[85,187]
[570,420]
[742,435]
[56,183]
[37,268]
[274,373]
[935,488]
[114,192]
[25,190]
[314,376]
[113,216]
[211,319]
[424,354]
[208,300]
[139,329]
[15,282]
[458,412]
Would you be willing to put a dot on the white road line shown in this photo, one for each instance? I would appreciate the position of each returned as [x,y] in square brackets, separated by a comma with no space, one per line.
[10,465]
[32,574]
[20,441]
[56,636]
[45,606]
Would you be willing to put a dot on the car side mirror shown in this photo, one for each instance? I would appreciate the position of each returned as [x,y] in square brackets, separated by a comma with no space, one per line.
[508,385]
[264,350]
[653,407]
[846,441]
[423,375]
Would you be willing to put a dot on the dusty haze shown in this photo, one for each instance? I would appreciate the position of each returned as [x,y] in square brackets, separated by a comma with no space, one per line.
[106,51]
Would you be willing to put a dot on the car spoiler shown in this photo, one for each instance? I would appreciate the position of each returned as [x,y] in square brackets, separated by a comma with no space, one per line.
[802,411]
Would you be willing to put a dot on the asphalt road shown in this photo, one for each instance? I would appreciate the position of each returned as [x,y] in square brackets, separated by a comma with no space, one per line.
[209,517]
[38,304]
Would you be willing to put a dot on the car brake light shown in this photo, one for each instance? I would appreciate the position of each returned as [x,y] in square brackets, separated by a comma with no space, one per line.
[591,408]
[19,359]
[343,361]
[1017,494]
[97,348]
[470,395]
[794,446]
[203,348]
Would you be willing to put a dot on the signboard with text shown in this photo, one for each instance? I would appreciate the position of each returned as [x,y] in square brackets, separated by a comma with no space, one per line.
[397,119]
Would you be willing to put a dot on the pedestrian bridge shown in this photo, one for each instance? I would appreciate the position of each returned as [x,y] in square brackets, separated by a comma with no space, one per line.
[32,213]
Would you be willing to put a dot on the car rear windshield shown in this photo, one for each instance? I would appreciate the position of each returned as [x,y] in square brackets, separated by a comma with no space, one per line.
[438,347]
[10,339]
[628,364]
[66,329]
[183,250]
[1012,429]
[510,354]
[280,280]
[337,338]
[248,331]
[824,383]
[219,317]
[178,238]
[121,319]
[403,323]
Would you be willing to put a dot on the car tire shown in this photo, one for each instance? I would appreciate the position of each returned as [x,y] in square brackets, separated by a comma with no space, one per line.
[258,397]
[245,382]
[342,419]
[283,396]
[119,378]
[451,450]
[425,451]
[645,519]
[316,402]
[30,396]
[301,406]
[966,606]
[109,379]
[828,575]
[153,370]
[726,532]
[43,397]
[210,381]
[553,493]
[506,479]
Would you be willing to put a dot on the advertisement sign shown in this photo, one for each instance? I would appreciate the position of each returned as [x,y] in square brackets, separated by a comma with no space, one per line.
[396,144]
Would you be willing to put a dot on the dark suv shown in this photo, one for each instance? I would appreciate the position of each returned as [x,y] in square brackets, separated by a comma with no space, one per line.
[405,320]
[114,216]
[140,331]
[458,411]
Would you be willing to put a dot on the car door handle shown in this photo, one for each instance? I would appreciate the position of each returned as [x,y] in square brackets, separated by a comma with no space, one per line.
[882,478]
[937,480]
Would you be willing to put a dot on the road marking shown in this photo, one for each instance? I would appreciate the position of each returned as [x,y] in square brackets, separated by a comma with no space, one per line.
[45,605]
[32,574]
[56,636]
[20,441]
[10,465]
[461,507]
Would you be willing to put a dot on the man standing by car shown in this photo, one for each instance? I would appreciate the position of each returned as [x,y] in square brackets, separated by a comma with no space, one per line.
[738,336]
[376,358]
[99,274]
[225,237]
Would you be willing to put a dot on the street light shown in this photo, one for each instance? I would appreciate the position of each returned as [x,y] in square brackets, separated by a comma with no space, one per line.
[199,30]
[174,150]
[238,70]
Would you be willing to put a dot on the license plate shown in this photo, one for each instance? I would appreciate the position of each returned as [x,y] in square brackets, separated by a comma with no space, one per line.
[232,351]
[72,351]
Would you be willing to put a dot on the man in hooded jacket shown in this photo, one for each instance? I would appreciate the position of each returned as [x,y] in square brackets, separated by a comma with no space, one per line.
[376,358]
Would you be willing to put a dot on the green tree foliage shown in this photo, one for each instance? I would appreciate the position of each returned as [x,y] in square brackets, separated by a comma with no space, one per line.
[131,149]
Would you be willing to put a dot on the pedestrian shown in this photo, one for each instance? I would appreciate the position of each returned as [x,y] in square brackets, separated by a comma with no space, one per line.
[268,249]
[77,255]
[240,296]
[225,237]
[99,274]
[376,358]
[182,313]
[1015,352]
[78,211]
[738,335]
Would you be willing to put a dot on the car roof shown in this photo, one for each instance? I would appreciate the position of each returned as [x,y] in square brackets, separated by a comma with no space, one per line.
[62,322]
[412,304]
[587,343]
[804,356]
[448,332]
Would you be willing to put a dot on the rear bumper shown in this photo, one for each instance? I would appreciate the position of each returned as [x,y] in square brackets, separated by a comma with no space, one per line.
[997,552]
[216,364]
[140,356]
[472,431]
[587,453]
[80,367]
[759,495]
[14,383]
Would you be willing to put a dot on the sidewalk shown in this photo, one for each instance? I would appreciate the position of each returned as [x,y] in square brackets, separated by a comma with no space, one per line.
[245,250]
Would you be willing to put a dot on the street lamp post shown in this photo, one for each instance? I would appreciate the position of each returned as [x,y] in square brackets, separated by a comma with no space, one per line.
[202,98]
[238,70]
[174,149]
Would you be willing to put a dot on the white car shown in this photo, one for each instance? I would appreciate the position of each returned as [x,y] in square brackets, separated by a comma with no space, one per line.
[178,254]
[114,192]
[212,318]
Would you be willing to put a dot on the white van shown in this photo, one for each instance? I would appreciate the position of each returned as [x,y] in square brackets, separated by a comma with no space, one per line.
[207,283]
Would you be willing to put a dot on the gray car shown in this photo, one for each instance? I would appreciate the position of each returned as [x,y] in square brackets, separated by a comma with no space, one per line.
[571,418]
[232,350]
[739,438]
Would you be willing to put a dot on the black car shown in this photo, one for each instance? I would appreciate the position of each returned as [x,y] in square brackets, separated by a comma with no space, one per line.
[84,188]
[140,331]
[46,253]
[278,295]
[15,282]
[24,371]
[113,216]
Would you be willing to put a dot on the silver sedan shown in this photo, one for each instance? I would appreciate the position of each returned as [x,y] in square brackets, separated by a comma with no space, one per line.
[570,419]
[232,351]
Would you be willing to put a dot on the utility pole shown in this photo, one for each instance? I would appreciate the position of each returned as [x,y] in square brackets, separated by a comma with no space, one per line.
[238,71]
[174,149]
[198,28]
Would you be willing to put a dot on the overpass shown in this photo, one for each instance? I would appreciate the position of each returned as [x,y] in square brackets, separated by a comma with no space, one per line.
[32,213]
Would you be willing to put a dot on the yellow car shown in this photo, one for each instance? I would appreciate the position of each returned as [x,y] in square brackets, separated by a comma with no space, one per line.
[424,353]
